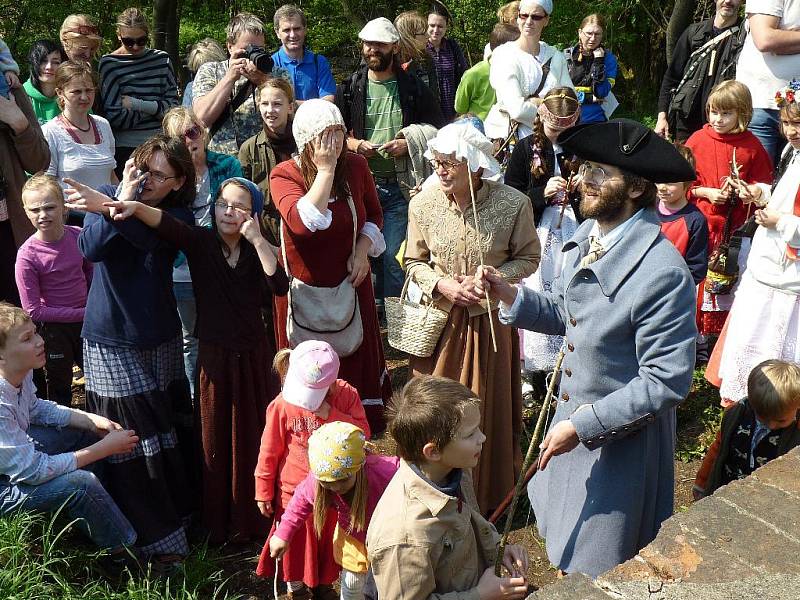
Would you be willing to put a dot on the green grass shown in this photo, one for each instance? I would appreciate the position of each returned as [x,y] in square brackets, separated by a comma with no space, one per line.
[699,417]
[42,558]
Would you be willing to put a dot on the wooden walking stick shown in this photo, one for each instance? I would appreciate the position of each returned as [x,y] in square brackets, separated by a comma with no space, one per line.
[532,447]
[480,253]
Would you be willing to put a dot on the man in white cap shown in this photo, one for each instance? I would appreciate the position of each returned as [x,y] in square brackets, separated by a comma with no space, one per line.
[377,101]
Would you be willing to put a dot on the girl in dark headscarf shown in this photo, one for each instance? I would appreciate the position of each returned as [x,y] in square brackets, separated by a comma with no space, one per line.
[44,58]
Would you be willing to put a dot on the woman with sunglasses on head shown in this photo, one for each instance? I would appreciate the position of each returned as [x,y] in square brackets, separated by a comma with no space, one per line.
[413,30]
[132,344]
[593,69]
[524,71]
[211,169]
[44,58]
[235,273]
[80,37]
[81,145]
[138,85]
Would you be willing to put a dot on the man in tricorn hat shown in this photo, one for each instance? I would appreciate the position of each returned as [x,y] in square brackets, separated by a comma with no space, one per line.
[625,304]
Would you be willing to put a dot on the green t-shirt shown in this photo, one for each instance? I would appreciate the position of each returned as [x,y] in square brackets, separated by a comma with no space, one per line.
[474,94]
[384,119]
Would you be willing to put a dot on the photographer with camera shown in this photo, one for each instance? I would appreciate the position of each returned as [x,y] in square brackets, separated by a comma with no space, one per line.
[224,92]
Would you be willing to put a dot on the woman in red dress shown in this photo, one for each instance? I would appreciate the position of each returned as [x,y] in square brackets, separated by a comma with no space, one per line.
[311,193]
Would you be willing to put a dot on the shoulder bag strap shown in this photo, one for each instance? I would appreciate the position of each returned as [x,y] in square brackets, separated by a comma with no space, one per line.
[230,108]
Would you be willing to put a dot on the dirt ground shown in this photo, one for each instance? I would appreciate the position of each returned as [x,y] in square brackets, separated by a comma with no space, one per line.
[239,562]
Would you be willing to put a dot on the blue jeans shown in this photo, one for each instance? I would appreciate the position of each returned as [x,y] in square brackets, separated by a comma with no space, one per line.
[388,272]
[187,310]
[80,492]
[766,126]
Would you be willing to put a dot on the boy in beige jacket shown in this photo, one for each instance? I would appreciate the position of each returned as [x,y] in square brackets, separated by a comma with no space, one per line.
[424,541]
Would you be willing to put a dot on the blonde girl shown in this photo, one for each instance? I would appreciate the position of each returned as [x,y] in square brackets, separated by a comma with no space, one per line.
[343,477]
[729,110]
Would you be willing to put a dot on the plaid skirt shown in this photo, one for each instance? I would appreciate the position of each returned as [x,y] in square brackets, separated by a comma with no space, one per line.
[147,391]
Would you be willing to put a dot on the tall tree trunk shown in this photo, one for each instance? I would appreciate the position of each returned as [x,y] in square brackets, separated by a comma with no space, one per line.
[679,20]
[166,20]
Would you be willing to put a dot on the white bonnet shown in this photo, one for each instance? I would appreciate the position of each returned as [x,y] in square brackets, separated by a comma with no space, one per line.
[312,118]
[466,143]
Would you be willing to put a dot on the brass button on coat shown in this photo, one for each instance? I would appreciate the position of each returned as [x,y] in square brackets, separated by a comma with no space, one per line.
[570,347]
[573,322]
[568,372]
[565,397]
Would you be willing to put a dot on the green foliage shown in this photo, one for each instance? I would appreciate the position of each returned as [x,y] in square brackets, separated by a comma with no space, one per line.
[40,558]
[699,417]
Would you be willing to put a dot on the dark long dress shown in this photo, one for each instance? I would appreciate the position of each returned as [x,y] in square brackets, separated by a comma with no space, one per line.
[320,258]
[236,380]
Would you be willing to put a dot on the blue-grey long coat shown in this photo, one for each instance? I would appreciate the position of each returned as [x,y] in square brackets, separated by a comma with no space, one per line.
[629,325]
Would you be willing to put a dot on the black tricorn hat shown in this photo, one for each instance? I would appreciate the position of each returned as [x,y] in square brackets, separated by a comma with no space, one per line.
[630,146]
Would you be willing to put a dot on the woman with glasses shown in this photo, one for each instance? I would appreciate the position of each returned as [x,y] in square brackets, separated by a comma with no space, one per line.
[443,254]
[523,71]
[211,169]
[81,145]
[138,85]
[235,273]
[132,344]
[593,69]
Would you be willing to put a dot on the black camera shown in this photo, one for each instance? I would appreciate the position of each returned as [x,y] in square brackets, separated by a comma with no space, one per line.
[259,57]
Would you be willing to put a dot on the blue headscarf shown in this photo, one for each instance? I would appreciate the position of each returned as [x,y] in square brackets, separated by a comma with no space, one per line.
[256,196]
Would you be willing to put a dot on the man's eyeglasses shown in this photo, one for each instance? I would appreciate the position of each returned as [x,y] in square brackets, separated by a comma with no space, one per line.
[129,42]
[195,132]
[222,205]
[534,16]
[594,175]
[444,164]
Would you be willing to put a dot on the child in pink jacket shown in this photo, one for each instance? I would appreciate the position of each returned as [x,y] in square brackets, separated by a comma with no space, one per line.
[345,478]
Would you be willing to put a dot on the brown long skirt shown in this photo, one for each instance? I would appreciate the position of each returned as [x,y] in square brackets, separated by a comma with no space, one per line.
[464,353]
[235,388]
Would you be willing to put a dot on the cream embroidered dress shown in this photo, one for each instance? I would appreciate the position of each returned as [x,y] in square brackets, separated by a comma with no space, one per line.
[442,242]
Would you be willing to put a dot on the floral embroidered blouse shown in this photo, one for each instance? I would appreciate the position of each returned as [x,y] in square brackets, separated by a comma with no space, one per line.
[442,240]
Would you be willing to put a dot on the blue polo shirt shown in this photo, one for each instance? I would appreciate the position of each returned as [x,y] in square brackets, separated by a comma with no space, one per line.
[312,77]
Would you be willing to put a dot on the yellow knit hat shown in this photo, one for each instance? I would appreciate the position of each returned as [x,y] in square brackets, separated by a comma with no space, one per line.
[336,451]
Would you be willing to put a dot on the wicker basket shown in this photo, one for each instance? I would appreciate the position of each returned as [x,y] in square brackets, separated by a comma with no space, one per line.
[413,328]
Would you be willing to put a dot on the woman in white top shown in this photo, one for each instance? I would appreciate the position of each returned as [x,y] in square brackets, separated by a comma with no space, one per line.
[81,145]
[524,71]
[764,321]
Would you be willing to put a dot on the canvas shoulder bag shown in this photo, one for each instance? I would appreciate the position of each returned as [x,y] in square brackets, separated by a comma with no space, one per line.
[328,314]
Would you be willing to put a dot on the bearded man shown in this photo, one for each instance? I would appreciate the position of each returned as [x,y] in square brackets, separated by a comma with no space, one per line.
[377,102]
[625,303]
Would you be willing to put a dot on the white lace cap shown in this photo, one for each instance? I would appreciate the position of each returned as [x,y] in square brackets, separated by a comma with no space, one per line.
[312,118]
[466,143]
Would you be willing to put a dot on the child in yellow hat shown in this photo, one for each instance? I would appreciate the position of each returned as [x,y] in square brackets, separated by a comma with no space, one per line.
[346,478]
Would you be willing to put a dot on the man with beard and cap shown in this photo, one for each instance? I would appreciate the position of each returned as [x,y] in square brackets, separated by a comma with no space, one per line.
[625,302]
[379,103]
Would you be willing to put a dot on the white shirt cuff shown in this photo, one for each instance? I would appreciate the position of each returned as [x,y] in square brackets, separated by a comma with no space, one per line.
[506,311]
[312,218]
[376,237]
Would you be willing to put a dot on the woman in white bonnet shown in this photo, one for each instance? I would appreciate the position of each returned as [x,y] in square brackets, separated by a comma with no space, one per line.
[443,253]
[311,194]
[523,71]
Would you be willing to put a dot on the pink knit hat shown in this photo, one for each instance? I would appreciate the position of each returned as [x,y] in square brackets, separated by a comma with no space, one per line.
[313,367]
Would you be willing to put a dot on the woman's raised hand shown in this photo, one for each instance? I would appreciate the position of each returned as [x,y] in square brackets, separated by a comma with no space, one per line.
[327,147]
[131,178]
[82,197]
[250,228]
[554,186]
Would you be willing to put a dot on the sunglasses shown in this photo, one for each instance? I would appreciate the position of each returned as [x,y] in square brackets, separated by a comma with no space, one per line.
[131,42]
[195,132]
[534,16]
